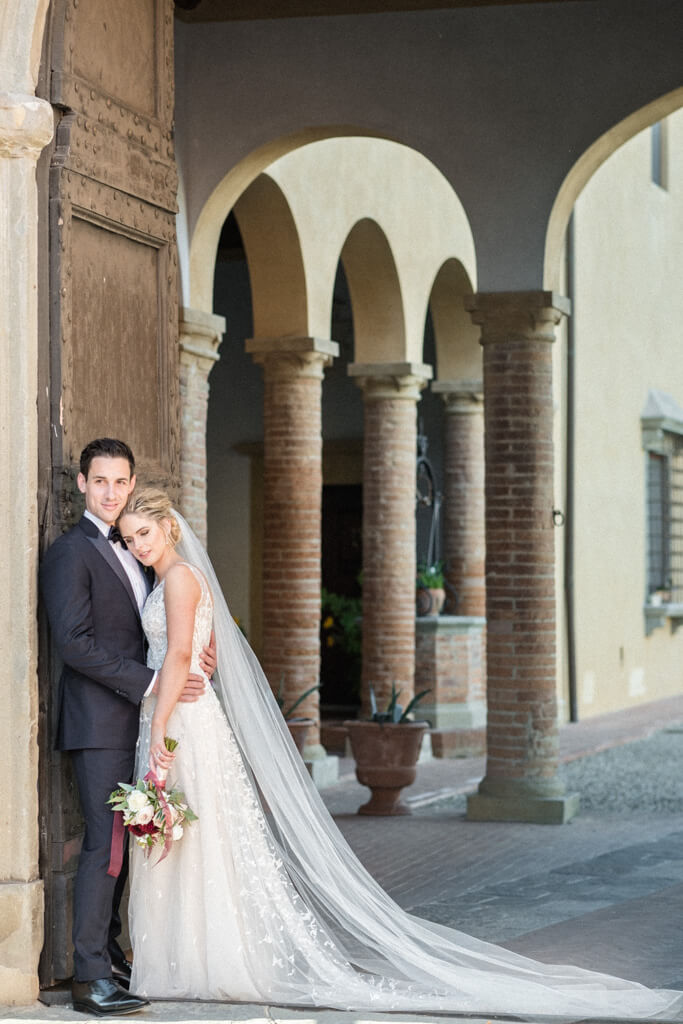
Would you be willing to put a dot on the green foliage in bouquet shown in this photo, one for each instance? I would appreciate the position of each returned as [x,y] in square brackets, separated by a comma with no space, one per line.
[152,815]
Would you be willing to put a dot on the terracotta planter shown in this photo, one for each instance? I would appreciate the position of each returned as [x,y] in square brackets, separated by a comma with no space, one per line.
[298,728]
[386,762]
[430,600]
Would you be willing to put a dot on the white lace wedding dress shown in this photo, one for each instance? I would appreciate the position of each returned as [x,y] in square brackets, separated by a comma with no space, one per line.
[262,900]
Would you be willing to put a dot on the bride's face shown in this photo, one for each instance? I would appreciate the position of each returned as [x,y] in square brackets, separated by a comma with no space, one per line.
[145,537]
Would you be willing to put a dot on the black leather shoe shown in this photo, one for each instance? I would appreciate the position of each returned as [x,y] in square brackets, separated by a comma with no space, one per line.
[121,972]
[104,998]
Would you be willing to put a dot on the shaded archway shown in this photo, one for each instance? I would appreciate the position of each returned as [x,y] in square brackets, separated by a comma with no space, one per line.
[224,197]
[458,352]
[273,252]
[379,323]
[586,166]
[361,202]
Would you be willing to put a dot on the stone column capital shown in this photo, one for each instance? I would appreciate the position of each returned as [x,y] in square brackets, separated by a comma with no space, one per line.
[26,126]
[510,316]
[461,397]
[200,335]
[293,357]
[391,380]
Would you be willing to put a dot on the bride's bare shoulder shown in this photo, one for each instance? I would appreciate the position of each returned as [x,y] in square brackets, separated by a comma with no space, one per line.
[181,582]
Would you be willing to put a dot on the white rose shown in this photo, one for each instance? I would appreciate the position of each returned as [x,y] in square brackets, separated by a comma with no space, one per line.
[137,800]
[144,815]
[177,832]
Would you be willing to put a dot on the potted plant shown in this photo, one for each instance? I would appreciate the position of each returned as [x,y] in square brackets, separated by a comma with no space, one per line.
[431,594]
[298,726]
[386,749]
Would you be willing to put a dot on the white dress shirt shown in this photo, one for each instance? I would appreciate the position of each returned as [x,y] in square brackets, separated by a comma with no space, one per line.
[133,569]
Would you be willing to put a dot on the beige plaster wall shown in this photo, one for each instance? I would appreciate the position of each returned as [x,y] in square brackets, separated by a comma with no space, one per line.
[628,310]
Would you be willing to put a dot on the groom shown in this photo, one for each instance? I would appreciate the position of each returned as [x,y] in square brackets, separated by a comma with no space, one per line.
[94,590]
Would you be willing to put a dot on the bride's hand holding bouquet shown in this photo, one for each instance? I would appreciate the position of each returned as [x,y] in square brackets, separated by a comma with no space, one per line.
[152,815]
[161,751]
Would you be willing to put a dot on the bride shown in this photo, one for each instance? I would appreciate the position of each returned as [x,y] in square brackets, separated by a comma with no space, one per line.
[262,900]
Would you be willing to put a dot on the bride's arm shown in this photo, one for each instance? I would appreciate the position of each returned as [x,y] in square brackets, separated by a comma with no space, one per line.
[181,597]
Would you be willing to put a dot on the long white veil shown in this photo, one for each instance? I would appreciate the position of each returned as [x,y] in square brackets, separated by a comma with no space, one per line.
[390,959]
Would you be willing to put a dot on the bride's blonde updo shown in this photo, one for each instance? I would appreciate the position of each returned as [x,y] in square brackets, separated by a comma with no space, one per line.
[155,504]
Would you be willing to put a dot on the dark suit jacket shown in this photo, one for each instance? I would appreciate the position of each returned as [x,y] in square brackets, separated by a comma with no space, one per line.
[96,626]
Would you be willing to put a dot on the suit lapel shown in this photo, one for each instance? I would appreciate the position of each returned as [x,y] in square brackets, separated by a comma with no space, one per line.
[104,548]
[150,577]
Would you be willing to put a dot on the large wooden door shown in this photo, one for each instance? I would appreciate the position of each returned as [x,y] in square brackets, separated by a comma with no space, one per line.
[108,360]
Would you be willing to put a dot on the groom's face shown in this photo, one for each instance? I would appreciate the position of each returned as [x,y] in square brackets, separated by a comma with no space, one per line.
[106,487]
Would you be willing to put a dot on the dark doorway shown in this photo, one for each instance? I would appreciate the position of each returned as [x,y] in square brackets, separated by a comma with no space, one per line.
[341,566]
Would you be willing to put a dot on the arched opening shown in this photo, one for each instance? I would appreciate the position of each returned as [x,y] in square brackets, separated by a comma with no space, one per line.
[342,523]
[233,438]
[621,346]
[451,345]
[207,230]
[260,289]
[321,244]
[379,325]
[457,348]
[273,252]
[586,166]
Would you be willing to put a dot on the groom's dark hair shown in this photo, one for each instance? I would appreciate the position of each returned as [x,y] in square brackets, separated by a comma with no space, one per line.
[108,446]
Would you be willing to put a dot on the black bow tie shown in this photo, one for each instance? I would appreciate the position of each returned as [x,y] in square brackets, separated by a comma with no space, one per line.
[115,536]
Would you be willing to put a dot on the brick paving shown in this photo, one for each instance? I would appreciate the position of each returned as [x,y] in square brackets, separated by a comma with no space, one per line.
[605,891]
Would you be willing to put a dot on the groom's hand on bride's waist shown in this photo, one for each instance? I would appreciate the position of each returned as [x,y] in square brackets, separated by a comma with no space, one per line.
[207,659]
[194,688]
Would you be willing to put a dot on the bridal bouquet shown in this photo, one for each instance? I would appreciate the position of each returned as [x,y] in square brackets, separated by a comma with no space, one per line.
[152,815]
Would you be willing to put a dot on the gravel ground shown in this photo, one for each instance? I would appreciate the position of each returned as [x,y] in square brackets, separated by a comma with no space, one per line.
[646,775]
[643,776]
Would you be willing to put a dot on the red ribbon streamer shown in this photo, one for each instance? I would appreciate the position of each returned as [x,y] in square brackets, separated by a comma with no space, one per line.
[159,786]
[118,835]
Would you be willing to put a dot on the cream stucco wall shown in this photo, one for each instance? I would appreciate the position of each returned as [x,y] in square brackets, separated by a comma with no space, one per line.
[628,311]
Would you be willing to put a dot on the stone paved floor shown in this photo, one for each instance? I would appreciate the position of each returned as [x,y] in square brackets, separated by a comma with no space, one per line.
[605,891]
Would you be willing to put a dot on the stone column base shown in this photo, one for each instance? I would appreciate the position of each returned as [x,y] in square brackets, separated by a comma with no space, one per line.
[521,800]
[21,940]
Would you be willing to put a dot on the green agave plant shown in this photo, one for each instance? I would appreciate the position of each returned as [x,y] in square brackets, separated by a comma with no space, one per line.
[394,713]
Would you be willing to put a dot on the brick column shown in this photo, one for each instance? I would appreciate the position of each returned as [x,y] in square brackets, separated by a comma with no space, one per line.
[292,485]
[463,526]
[25,128]
[391,392]
[200,336]
[521,783]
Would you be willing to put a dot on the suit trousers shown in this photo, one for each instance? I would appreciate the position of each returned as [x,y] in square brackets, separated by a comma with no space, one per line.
[97,895]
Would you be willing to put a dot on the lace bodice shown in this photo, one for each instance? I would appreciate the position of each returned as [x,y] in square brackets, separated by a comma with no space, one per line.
[154,623]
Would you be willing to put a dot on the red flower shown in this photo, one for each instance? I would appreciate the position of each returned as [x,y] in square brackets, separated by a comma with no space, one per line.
[149,829]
